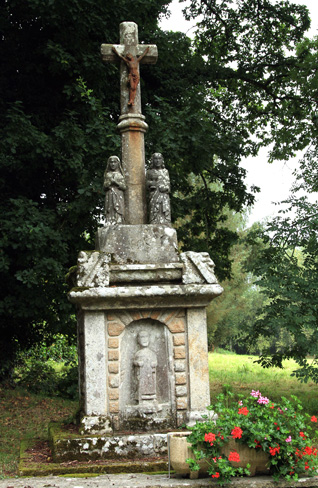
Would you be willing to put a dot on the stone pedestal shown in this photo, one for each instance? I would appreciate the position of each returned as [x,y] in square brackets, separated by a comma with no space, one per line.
[142,334]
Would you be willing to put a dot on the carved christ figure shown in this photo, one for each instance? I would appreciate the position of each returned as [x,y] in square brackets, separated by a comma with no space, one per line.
[132,63]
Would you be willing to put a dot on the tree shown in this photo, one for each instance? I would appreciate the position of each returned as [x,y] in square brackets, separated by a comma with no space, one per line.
[232,314]
[58,125]
[288,267]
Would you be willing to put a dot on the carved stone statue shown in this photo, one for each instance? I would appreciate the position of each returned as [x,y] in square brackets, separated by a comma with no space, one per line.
[132,63]
[158,186]
[145,363]
[114,184]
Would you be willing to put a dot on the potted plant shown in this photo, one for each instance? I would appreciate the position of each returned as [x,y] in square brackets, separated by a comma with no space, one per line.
[259,427]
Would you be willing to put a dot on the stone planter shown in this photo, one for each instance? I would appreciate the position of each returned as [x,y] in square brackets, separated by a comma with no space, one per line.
[255,457]
[180,450]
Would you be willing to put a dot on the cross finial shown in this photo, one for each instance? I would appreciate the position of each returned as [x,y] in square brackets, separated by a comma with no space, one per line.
[131,54]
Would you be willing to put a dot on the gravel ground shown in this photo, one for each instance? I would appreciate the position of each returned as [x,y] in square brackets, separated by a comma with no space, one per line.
[148,481]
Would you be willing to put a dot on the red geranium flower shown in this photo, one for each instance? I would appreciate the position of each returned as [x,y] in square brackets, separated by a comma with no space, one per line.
[243,411]
[237,433]
[313,419]
[302,435]
[216,475]
[209,438]
[274,450]
[234,456]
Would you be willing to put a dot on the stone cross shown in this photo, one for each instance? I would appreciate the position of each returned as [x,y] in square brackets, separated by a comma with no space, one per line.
[132,125]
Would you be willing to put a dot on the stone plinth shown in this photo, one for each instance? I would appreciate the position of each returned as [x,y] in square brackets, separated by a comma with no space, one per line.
[76,447]
[142,335]
[139,243]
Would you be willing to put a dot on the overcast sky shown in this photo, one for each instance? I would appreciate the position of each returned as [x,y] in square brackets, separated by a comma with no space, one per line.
[274,179]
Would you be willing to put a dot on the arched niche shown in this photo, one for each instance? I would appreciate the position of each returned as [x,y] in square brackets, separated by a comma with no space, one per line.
[146,375]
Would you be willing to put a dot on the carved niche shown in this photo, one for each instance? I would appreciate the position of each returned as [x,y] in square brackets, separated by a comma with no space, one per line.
[146,379]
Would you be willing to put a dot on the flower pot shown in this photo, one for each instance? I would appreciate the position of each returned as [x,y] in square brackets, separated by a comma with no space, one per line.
[180,451]
[257,458]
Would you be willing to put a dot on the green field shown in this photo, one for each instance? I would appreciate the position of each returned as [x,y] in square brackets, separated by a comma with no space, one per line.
[25,415]
[241,374]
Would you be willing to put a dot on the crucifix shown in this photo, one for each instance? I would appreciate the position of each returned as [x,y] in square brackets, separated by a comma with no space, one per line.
[132,125]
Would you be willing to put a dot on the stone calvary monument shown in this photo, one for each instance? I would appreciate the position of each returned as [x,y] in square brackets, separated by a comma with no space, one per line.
[141,305]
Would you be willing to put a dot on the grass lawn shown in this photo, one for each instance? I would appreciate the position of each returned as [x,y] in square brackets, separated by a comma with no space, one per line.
[241,375]
[25,415]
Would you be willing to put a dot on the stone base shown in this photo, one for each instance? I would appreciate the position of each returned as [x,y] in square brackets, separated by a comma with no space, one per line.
[139,243]
[28,466]
[67,446]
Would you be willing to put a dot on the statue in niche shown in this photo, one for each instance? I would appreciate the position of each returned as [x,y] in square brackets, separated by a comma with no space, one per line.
[132,63]
[114,184]
[145,363]
[158,186]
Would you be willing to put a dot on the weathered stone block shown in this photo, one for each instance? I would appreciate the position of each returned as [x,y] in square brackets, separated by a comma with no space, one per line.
[113,394]
[113,367]
[113,355]
[176,325]
[113,343]
[179,352]
[95,425]
[181,378]
[139,243]
[178,340]
[92,269]
[114,407]
[115,329]
[113,381]
[179,365]
[181,391]
[136,315]
[198,268]
[155,314]
[182,403]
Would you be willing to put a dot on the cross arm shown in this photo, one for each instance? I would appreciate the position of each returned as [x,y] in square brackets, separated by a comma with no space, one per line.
[151,56]
[109,56]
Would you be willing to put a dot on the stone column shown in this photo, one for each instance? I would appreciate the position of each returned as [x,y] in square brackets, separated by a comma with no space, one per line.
[198,360]
[132,128]
[95,363]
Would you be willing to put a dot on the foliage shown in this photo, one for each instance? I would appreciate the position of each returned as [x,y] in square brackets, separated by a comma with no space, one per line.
[51,370]
[287,267]
[37,377]
[58,124]
[231,315]
[264,68]
[60,350]
[281,430]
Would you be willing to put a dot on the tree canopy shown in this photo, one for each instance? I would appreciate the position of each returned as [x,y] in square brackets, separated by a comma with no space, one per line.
[287,266]
[208,104]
